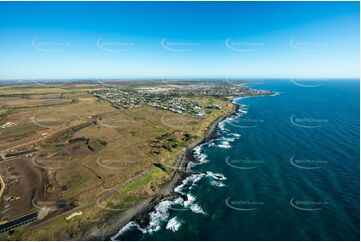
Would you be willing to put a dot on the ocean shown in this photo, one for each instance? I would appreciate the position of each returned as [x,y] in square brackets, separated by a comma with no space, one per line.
[286,167]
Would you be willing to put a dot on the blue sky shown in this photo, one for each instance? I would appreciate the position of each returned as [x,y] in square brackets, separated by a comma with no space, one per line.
[179,39]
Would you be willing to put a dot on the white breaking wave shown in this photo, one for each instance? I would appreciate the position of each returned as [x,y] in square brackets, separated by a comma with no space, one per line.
[229,139]
[159,215]
[173,224]
[235,135]
[192,180]
[199,156]
[161,212]
[243,109]
[190,165]
[126,228]
[194,207]
[224,144]
[197,153]
[217,184]
[216,176]
[212,143]
[221,125]
[225,141]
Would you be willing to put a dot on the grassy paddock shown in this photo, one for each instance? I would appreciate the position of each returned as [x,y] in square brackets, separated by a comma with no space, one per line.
[47,90]
[59,229]
[140,136]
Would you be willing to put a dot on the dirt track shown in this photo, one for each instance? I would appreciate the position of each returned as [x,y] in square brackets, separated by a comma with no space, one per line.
[140,211]
[2,186]
[25,182]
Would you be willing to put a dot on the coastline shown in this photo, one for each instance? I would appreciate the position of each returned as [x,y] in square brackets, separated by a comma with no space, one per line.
[140,212]
[167,191]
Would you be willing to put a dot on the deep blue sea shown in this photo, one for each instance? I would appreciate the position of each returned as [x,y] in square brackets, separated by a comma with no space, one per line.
[285,168]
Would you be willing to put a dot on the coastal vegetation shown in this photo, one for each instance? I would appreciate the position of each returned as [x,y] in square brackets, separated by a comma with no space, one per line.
[89,157]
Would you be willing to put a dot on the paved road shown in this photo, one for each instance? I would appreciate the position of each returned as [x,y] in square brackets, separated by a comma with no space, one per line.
[18,222]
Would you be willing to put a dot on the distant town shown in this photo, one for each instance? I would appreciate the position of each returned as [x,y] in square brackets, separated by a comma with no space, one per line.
[175,98]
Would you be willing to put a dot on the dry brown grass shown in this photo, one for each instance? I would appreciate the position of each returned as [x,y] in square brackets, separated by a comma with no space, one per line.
[132,140]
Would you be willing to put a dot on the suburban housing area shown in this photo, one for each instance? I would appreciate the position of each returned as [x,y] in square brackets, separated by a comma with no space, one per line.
[75,152]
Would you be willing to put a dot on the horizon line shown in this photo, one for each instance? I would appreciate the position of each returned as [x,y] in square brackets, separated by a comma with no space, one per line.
[170,78]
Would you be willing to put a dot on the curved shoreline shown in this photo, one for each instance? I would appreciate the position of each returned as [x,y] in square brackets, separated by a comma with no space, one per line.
[140,213]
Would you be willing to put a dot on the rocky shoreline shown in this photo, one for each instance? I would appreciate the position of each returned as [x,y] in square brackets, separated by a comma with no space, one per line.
[140,212]
[167,191]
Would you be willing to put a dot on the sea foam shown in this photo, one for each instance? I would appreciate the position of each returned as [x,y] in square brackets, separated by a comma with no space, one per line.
[173,224]
[197,153]
[126,228]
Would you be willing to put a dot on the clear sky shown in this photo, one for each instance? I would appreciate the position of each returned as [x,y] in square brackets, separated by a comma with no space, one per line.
[179,39]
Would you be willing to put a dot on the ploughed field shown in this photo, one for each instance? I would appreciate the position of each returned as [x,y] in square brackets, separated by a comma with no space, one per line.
[73,157]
